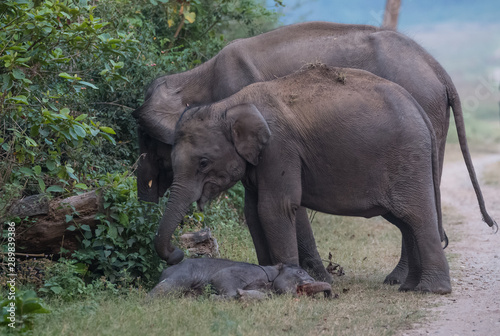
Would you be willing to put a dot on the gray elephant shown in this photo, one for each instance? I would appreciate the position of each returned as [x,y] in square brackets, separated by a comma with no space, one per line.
[283,51]
[335,140]
[231,279]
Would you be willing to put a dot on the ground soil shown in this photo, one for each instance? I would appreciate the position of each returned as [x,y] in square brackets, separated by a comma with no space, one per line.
[473,308]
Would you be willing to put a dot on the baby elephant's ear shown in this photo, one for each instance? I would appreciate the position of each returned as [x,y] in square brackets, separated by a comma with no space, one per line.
[249,131]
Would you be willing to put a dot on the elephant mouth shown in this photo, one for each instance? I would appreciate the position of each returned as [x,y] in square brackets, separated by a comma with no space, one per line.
[315,287]
[202,202]
[210,191]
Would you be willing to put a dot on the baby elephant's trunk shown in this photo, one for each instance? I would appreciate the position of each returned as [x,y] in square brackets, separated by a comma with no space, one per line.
[312,288]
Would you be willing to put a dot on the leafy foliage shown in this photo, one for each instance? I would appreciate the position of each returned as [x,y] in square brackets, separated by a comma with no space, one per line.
[24,308]
[65,279]
[45,134]
[69,67]
[121,248]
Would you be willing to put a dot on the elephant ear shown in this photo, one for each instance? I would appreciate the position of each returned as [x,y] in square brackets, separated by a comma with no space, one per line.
[249,131]
[156,123]
[160,112]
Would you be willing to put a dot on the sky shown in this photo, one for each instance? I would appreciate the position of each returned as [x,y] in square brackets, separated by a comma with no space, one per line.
[412,13]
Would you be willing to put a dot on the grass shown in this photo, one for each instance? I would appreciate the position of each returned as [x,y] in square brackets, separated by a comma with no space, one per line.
[366,249]
[482,134]
[365,310]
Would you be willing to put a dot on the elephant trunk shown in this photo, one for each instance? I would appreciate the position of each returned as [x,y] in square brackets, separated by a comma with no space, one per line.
[177,207]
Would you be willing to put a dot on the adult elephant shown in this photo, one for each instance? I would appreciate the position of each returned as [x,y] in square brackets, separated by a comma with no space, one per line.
[283,51]
[336,140]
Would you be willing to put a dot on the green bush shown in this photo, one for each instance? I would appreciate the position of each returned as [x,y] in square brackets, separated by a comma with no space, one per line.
[47,136]
[121,247]
[65,279]
[24,306]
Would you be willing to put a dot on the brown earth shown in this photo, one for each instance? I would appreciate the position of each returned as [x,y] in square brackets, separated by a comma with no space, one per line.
[473,308]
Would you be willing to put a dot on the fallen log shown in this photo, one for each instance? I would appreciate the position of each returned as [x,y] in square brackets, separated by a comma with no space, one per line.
[44,226]
[200,243]
[44,222]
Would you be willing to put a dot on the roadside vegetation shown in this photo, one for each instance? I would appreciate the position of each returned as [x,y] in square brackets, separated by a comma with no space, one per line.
[72,71]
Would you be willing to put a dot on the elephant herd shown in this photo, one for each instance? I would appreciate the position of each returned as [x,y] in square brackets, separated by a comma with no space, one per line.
[344,119]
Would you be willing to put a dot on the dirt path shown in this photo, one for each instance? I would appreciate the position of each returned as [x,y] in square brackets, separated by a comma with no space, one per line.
[473,308]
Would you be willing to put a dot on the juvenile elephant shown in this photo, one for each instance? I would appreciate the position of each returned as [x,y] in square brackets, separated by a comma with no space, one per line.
[231,279]
[335,140]
[280,52]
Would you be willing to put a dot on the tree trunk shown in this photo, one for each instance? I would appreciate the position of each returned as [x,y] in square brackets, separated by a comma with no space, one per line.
[43,229]
[391,14]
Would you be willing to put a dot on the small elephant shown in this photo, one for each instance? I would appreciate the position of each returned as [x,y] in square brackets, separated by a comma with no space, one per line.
[232,279]
[336,140]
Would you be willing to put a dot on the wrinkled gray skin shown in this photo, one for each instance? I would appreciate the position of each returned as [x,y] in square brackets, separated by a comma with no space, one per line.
[283,51]
[227,277]
[335,140]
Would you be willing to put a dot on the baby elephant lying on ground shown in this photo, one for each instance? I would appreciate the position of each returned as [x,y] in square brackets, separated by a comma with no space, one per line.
[232,279]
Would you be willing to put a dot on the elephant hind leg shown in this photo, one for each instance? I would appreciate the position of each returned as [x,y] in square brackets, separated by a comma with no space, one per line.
[408,261]
[428,269]
[400,272]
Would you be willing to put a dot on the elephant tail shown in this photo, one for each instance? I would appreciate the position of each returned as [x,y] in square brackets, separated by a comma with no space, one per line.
[454,102]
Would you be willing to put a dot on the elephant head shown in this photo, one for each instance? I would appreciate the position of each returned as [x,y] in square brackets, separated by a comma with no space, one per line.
[210,154]
[156,119]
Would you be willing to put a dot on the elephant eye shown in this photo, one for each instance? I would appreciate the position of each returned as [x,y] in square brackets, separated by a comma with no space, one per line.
[203,163]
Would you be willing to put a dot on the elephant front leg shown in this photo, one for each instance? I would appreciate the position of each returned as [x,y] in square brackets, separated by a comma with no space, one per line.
[255,228]
[277,215]
[309,257]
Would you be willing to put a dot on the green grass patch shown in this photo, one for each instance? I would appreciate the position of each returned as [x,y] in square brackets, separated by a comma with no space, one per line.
[364,310]
[481,133]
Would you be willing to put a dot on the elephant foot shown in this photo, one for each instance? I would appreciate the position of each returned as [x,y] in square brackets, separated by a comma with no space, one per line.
[437,284]
[411,282]
[316,269]
[440,289]
[406,287]
[397,276]
[322,276]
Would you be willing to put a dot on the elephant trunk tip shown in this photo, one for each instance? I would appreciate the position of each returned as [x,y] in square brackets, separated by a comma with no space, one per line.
[175,257]
[171,257]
